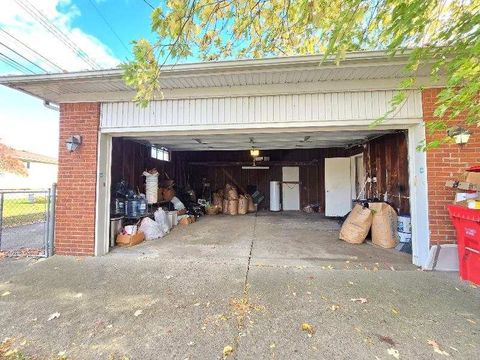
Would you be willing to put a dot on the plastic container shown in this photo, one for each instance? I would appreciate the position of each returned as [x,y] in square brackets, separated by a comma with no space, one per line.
[142,206]
[404,224]
[404,237]
[467,226]
[131,208]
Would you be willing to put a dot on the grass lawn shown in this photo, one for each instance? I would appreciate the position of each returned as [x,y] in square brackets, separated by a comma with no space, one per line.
[22,211]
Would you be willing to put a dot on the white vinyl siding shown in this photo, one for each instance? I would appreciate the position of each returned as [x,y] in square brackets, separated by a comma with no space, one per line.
[315,108]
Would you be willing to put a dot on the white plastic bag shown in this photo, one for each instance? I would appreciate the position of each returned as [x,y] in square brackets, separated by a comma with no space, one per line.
[161,218]
[151,229]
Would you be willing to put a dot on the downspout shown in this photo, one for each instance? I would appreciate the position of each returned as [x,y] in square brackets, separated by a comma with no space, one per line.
[50,106]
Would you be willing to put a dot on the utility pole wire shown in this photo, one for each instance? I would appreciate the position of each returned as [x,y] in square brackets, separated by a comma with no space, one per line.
[110,26]
[23,57]
[53,29]
[146,2]
[33,50]
[14,64]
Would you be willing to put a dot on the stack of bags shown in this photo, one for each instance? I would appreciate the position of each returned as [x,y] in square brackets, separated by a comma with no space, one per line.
[229,202]
[380,217]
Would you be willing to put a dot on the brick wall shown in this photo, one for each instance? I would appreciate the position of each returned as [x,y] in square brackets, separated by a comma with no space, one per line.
[444,163]
[75,209]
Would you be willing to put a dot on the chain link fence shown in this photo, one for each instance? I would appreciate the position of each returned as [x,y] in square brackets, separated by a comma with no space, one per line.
[26,222]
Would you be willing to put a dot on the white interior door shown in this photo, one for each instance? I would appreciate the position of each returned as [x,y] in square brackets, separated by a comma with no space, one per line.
[338,186]
[291,188]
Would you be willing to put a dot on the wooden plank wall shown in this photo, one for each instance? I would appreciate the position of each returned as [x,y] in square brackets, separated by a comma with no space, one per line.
[130,159]
[212,165]
[386,158]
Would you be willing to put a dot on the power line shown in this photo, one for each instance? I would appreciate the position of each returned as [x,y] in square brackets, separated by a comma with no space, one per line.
[15,64]
[32,50]
[23,57]
[146,2]
[110,26]
[53,29]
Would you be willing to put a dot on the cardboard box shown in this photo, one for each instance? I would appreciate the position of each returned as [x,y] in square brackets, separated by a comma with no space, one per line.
[130,240]
[473,178]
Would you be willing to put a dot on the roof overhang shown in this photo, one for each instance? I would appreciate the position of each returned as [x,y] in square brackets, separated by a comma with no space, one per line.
[185,80]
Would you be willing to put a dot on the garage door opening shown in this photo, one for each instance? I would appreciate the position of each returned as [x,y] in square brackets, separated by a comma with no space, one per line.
[311,175]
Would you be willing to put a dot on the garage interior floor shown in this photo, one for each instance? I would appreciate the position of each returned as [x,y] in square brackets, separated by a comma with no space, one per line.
[245,282]
[288,238]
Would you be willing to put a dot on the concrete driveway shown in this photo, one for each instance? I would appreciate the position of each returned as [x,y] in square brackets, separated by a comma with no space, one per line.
[245,282]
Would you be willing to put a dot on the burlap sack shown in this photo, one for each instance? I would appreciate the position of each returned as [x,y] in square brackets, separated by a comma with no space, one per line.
[355,228]
[232,194]
[225,206]
[217,201]
[168,194]
[384,225]
[251,204]
[213,210]
[242,205]
[233,207]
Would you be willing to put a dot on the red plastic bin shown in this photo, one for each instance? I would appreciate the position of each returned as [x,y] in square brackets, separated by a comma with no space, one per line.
[467,226]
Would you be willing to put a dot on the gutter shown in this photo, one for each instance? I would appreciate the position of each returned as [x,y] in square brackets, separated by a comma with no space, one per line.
[226,66]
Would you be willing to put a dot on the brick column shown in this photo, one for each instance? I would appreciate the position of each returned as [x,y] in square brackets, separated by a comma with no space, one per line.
[446,162]
[77,174]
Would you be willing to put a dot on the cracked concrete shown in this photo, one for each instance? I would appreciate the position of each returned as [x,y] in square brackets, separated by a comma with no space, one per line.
[226,281]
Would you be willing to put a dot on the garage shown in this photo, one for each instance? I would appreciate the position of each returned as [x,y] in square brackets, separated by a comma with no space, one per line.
[306,121]
[292,177]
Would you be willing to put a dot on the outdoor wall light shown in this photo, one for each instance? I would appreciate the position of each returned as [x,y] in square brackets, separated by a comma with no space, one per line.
[254,152]
[459,134]
[73,142]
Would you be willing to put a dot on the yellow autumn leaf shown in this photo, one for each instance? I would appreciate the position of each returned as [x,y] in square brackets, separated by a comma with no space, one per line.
[308,328]
[227,350]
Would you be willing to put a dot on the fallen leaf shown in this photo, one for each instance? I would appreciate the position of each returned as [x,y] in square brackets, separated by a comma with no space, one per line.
[191,343]
[394,353]
[360,300]
[334,307]
[394,311]
[227,350]
[54,316]
[471,321]
[196,304]
[6,293]
[138,313]
[77,296]
[23,343]
[272,346]
[308,328]
[386,339]
[351,282]
[436,348]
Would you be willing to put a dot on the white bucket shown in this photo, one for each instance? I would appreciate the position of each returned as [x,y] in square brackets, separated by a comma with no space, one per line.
[404,237]
[175,218]
[172,218]
[404,224]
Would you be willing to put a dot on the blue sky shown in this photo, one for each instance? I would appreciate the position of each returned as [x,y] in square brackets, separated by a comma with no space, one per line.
[25,122]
